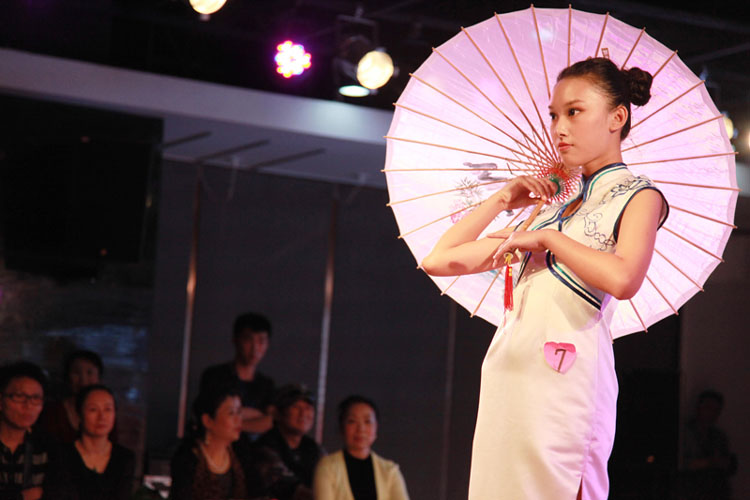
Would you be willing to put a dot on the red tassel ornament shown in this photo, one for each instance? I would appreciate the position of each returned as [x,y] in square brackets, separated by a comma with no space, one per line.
[508,301]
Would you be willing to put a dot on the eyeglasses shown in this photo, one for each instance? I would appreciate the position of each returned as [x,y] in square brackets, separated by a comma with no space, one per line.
[21,398]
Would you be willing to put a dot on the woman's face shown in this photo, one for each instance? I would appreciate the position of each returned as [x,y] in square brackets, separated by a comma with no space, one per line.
[585,130]
[226,424]
[98,414]
[82,373]
[360,429]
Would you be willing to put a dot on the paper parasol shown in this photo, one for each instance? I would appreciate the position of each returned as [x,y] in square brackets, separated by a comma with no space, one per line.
[474,115]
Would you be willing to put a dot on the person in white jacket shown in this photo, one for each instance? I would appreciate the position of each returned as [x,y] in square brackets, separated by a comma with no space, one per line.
[356,472]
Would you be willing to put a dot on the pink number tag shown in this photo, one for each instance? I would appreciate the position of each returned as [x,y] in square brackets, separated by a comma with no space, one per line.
[560,356]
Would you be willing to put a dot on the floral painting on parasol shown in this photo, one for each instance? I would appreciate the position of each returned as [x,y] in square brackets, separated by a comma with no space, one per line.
[474,115]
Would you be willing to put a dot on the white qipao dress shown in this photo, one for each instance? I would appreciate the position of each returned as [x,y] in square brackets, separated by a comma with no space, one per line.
[546,420]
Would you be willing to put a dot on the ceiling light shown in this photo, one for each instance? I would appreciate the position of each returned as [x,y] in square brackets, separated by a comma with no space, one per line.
[291,59]
[207,7]
[729,124]
[375,69]
[353,91]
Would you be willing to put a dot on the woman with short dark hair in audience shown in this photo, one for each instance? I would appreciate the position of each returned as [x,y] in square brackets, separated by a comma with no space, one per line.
[205,466]
[95,468]
[356,472]
[60,419]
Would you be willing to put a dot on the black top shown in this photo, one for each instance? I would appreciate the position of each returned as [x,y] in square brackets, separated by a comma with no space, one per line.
[301,460]
[257,393]
[192,480]
[361,477]
[78,482]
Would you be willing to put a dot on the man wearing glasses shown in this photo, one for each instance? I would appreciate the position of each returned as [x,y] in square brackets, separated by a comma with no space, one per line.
[23,459]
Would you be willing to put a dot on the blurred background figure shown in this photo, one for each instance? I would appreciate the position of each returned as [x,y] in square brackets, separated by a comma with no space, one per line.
[251,335]
[93,467]
[356,472]
[707,461]
[60,419]
[24,457]
[205,466]
[294,415]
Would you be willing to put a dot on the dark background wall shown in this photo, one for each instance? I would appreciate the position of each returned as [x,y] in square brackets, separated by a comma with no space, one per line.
[262,246]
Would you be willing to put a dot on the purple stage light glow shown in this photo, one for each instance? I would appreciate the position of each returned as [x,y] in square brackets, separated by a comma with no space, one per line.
[291,59]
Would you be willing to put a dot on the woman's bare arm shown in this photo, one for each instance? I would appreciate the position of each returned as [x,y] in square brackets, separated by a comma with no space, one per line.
[459,252]
[621,273]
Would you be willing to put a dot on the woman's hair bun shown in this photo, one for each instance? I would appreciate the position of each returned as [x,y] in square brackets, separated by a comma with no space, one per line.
[639,85]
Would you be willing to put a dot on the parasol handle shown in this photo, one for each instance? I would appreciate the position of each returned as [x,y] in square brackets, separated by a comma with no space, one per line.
[524,226]
[538,208]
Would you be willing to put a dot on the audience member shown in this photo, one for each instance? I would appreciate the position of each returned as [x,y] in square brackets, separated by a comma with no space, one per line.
[268,477]
[356,472]
[24,457]
[294,413]
[60,418]
[707,461]
[205,466]
[95,468]
[251,336]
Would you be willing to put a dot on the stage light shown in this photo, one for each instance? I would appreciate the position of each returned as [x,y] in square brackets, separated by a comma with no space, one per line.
[291,59]
[207,7]
[375,69]
[728,124]
[354,91]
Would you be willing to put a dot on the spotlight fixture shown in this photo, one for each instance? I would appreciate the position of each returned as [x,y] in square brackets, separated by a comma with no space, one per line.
[207,7]
[375,69]
[729,124]
[291,59]
[360,66]
[354,91]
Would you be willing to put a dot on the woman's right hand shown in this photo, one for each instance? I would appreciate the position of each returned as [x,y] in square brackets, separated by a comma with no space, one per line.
[525,190]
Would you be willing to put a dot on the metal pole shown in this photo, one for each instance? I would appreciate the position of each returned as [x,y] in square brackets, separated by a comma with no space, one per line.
[450,356]
[325,329]
[189,307]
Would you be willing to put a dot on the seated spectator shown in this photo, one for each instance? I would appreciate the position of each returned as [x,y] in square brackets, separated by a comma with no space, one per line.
[294,414]
[268,477]
[251,335]
[205,466]
[356,472]
[24,458]
[60,418]
[707,461]
[95,468]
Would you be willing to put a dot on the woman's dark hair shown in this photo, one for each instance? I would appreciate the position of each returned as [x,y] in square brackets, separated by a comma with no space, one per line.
[83,394]
[352,400]
[207,402]
[85,355]
[620,86]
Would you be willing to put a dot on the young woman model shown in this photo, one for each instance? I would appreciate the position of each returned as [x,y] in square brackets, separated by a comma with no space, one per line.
[545,425]
[95,467]
[356,472]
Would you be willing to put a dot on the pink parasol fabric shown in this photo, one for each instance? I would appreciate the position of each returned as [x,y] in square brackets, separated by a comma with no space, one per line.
[475,114]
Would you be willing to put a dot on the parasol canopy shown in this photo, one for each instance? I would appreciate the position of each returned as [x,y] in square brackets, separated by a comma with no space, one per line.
[474,115]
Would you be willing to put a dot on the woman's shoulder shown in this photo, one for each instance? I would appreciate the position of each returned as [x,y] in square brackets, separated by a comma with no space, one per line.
[332,459]
[185,455]
[384,462]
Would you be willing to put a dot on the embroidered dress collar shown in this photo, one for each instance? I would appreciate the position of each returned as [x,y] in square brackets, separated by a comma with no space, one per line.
[603,196]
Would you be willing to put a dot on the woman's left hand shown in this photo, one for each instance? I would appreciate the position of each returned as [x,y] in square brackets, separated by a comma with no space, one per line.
[525,241]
